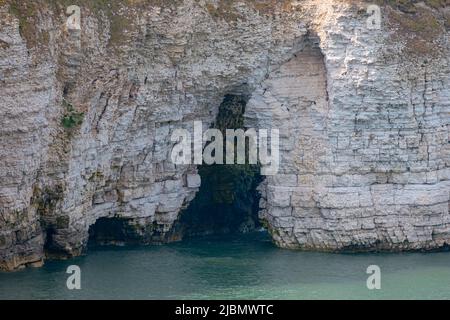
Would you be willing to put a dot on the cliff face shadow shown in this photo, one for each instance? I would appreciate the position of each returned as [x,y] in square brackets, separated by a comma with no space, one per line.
[227,201]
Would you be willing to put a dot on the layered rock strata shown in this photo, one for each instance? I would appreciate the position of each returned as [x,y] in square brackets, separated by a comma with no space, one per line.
[87,115]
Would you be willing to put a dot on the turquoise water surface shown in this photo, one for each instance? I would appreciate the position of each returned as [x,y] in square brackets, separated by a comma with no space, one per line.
[232,267]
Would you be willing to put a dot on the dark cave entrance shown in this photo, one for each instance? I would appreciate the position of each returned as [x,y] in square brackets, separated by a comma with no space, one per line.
[227,201]
[49,245]
[109,231]
[120,231]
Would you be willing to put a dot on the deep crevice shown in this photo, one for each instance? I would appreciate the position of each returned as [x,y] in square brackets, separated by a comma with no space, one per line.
[49,245]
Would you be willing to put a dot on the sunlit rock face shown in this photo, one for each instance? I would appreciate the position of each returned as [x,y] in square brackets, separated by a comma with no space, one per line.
[87,115]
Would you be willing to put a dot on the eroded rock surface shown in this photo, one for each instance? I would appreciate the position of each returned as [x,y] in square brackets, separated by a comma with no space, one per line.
[86,118]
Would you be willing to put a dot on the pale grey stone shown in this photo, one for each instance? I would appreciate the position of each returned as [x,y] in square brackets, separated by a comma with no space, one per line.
[193,180]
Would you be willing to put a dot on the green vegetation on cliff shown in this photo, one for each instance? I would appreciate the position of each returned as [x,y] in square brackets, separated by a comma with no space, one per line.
[71,118]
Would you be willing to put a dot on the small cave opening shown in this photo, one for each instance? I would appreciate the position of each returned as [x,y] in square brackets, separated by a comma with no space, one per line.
[227,201]
[118,231]
[108,231]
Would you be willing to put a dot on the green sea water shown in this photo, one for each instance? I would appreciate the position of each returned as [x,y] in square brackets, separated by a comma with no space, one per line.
[232,267]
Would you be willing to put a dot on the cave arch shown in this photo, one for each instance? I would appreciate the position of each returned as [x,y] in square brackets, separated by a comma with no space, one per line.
[228,200]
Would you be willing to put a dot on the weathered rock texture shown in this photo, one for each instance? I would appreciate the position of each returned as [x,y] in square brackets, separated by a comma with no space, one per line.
[363,114]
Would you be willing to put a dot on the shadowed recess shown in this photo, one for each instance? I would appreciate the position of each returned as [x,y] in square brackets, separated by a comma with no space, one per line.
[227,201]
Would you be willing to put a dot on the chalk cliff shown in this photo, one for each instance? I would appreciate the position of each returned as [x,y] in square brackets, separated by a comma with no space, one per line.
[86,118]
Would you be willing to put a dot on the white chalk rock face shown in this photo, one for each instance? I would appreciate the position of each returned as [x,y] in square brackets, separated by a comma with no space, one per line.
[193,181]
[87,115]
